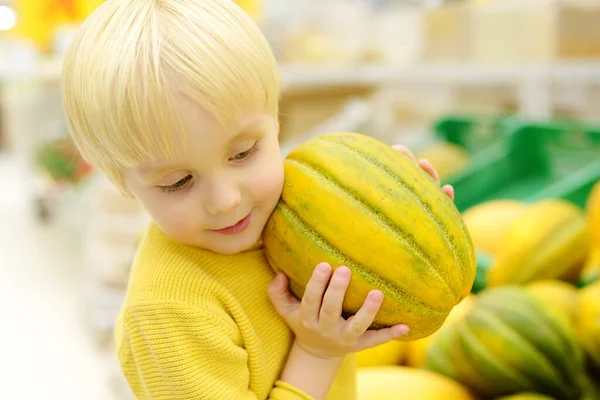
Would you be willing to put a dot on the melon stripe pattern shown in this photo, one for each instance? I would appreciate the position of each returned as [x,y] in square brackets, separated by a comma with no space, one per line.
[462,258]
[351,200]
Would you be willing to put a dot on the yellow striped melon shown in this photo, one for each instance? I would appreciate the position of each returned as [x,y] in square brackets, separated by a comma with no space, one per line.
[548,241]
[489,222]
[396,382]
[510,342]
[351,200]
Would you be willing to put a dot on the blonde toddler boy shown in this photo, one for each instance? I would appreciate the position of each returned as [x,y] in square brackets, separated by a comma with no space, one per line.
[176,101]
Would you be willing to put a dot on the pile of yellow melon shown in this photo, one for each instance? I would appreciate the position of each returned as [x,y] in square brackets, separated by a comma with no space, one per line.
[532,333]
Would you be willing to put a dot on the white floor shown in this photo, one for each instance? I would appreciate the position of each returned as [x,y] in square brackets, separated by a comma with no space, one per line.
[46,349]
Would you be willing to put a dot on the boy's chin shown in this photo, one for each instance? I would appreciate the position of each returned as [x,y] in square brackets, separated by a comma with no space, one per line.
[236,244]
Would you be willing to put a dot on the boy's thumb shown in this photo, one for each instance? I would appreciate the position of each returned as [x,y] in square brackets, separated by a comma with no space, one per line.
[279,294]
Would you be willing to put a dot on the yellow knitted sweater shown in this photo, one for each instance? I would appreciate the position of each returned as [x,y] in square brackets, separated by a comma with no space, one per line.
[200,325]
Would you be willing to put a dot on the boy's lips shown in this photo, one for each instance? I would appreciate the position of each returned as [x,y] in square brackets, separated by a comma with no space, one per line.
[240,226]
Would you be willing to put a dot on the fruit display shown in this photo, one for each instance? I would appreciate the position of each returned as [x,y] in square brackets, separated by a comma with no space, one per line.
[526,338]
[397,382]
[351,200]
[548,241]
[488,223]
[510,342]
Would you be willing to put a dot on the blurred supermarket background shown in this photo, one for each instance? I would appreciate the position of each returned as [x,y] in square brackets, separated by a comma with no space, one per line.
[464,83]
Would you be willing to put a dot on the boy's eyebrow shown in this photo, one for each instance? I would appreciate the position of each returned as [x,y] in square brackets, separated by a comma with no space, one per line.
[247,129]
[152,174]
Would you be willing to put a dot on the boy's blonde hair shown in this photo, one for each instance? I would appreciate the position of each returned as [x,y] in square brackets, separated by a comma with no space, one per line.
[131,58]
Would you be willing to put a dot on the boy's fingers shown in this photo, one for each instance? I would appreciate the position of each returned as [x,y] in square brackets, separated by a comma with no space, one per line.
[449,190]
[331,309]
[404,150]
[360,322]
[313,294]
[428,167]
[280,296]
[378,337]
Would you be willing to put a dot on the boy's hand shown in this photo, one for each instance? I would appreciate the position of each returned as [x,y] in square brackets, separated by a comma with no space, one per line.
[317,322]
[426,165]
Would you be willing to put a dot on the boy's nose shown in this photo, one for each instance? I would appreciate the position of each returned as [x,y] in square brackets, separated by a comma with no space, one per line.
[222,198]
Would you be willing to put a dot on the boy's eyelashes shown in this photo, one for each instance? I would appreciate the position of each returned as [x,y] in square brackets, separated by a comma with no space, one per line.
[180,184]
[242,155]
[188,179]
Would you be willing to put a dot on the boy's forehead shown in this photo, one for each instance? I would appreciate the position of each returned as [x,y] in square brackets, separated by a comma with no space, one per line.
[220,138]
[206,140]
[200,123]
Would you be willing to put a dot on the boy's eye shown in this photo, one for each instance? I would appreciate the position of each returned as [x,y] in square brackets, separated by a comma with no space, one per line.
[244,154]
[180,184]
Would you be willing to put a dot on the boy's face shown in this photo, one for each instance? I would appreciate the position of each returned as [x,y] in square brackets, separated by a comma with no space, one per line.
[220,193]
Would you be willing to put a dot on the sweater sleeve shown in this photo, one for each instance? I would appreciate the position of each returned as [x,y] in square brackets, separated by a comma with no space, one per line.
[173,351]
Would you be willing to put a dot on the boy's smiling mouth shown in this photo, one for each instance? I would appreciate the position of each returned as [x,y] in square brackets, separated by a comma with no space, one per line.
[239,227]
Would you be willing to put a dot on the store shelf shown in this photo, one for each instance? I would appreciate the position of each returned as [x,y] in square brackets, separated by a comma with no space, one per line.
[455,73]
[533,82]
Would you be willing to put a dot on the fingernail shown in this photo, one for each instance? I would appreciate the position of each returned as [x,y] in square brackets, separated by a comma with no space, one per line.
[376,295]
[323,268]
[401,330]
[342,272]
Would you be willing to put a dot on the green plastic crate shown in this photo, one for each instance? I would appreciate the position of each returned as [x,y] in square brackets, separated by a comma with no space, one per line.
[473,133]
[530,161]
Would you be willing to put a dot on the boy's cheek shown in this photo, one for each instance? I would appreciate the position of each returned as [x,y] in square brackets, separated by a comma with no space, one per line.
[178,219]
[270,182]
[184,230]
